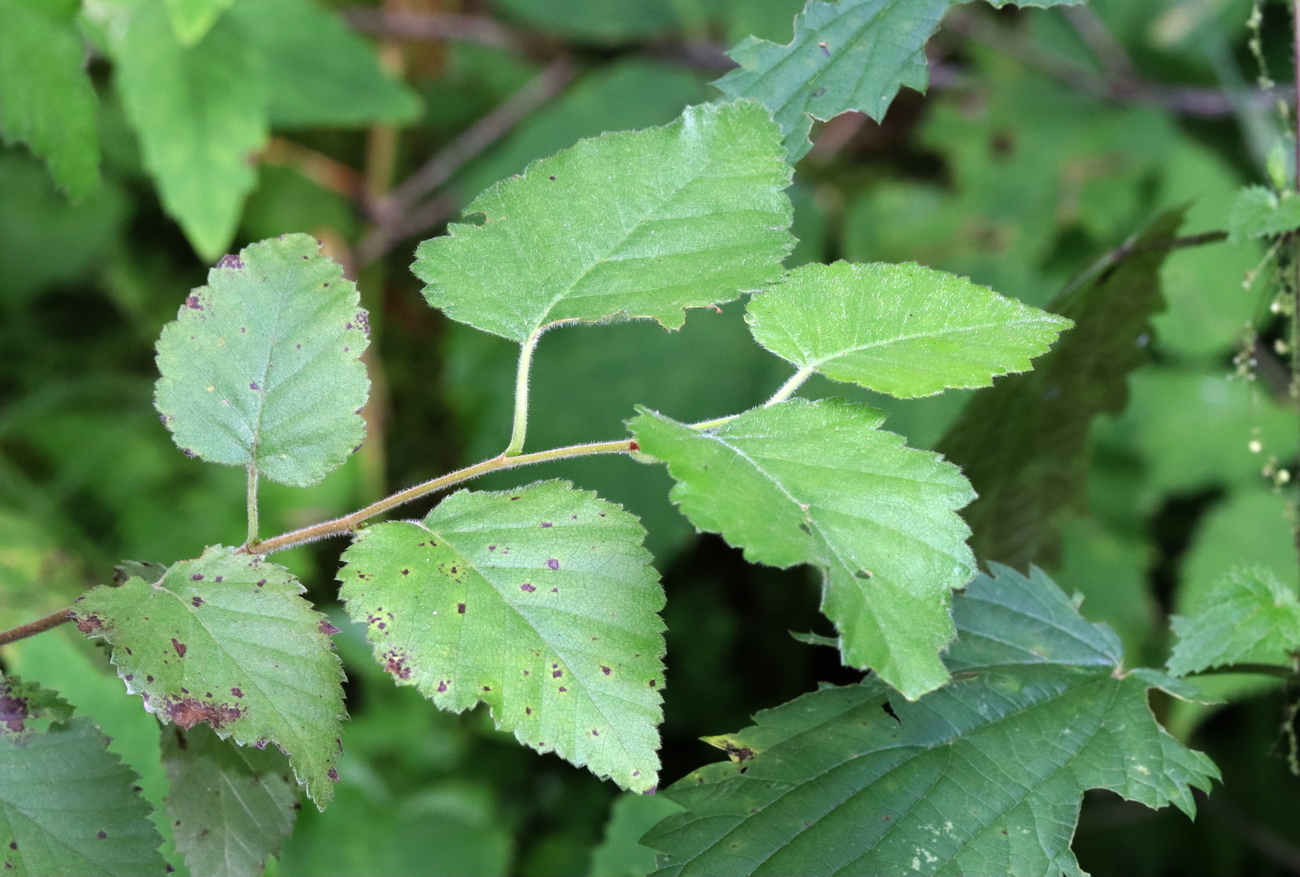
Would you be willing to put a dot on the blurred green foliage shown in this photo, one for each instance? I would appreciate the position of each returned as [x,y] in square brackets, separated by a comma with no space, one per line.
[1012,170]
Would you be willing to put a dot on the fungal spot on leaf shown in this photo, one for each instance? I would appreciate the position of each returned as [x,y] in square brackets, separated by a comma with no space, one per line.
[563,689]
[193,303]
[261,582]
[547,524]
[460,608]
[527,587]
[90,624]
[528,711]
[327,628]
[653,683]
[231,261]
[252,385]
[188,712]
[237,692]
[553,563]
[332,773]
[492,548]
[805,528]
[406,572]
[442,686]
[395,663]
[179,647]
[148,679]
[101,835]
[187,452]
[487,688]
[631,446]
[557,674]
[513,498]
[605,670]
[863,574]
[196,602]
[550,178]
[595,733]
[197,577]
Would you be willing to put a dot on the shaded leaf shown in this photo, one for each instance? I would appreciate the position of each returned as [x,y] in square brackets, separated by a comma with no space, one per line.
[1023,444]
[540,602]
[200,113]
[318,72]
[603,20]
[819,483]
[46,98]
[262,366]
[1260,212]
[621,853]
[1248,617]
[227,640]
[851,55]
[630,225]
[905,330]
[192,19]
[857,780]
[67,806]
[230,806]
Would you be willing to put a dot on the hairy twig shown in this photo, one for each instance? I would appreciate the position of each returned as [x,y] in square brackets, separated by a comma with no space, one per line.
[40,625]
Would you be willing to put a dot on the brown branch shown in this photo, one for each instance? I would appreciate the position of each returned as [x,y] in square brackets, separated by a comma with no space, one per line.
[40,625]
[400,212]
[415,26]
[322,170]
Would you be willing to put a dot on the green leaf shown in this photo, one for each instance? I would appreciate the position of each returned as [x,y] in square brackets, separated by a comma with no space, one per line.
[262,366]
[602,20]
[200,113]
[620,853]
[1023,444]
[905,330]
[819,483]
[230,806]
[67,806]
[983,776]
[851,55]
[539,602]
[227,639]
[192,19]
[1249,618]
[630,225]
[46,98]
[1260,212]
[318,72]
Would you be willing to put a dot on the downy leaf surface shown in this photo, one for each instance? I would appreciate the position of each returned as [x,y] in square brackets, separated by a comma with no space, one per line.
[319,72]
[228,640]
[858,781]
[1260,212]
[1023,444]
[46,98]
[262,366]
[200,114]
[540,602]
[636,224]
[1249,617]
[820,483]
[905,330]
[67,805]
[230,806]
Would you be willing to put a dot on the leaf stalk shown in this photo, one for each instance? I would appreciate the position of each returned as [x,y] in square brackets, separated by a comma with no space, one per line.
[520,429]
[787,389]
[252,504]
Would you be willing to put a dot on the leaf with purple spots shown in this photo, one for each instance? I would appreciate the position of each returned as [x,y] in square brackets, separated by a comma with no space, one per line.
[227,640]
[262,366]
[555,628]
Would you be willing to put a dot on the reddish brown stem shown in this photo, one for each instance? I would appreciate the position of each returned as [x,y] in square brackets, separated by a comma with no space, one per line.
[40,625]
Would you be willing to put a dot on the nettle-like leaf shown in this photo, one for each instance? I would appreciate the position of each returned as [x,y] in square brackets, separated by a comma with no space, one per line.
[905,330]
[46,98]
[67,805]
[1023,444]
[851,55]
[262,366]
[637,224]
[857,780]
[540,602]
[227,639]
[192,19]
[1248,617]
[230,806]
[200,113]
[820,483]
[1260,212]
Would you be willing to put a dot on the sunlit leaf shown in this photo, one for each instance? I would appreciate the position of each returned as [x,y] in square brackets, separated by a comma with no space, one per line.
[318,72]
[228,640]
[630,225]
[1024,443]
[230,806]
[46,98]
[540,602]
[262,366]
[192,19]
[905,330]
[1260,212]
[67,806]
[984,776]
[200,113]
[1248,617]
[819,483]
